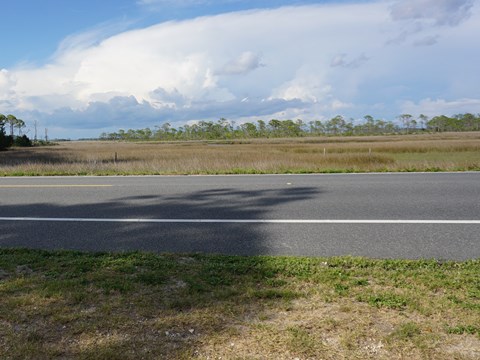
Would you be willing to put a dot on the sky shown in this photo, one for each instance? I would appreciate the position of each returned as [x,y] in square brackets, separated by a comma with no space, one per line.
[83,67]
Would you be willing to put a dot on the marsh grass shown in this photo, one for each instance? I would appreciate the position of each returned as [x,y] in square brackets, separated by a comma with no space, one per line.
[445,152]
[72,305]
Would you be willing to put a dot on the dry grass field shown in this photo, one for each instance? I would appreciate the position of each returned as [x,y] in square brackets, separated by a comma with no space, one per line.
[419,152]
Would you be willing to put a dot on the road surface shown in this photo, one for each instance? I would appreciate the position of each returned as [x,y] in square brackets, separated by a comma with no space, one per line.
[418,215]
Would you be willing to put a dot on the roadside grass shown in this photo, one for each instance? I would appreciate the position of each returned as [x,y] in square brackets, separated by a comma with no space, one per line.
[66,304]
[425,152]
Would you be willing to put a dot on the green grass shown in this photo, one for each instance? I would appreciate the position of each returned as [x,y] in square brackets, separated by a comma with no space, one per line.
[66,304]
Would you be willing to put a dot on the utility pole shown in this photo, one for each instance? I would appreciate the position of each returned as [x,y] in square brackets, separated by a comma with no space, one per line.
[35,126]
[46,135]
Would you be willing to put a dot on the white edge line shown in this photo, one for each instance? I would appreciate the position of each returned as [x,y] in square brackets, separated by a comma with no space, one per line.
[243,221]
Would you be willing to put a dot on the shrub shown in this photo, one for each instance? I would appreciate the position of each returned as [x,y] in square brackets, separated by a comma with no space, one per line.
[5,141]
[22,141]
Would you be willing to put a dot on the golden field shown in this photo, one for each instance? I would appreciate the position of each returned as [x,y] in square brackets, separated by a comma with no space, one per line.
[418,152]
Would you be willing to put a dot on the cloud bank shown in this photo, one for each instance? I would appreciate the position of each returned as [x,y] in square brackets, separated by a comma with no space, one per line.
[301,61]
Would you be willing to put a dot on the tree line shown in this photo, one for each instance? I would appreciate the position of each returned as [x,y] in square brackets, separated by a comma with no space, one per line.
[338,125]
[11,122]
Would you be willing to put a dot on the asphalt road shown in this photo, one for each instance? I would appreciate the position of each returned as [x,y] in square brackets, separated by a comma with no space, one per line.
[435,215]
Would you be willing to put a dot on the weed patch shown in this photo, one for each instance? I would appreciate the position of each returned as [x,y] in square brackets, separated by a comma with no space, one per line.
[387,300]
[464,329]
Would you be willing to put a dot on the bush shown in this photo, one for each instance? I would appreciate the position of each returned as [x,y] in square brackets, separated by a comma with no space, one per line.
[22,141]
[5,141]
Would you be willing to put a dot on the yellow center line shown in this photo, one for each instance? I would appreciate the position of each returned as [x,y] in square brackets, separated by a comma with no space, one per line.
[52,186]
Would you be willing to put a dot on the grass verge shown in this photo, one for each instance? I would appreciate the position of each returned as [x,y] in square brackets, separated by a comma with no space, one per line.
[66,304]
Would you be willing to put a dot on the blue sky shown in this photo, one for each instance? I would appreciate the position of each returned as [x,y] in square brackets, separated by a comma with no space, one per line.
[38,26]
[84,67]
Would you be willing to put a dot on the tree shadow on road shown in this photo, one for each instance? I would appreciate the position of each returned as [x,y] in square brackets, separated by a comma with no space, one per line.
[235,239]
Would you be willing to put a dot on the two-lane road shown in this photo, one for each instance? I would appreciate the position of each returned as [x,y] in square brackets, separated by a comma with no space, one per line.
[375,215]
